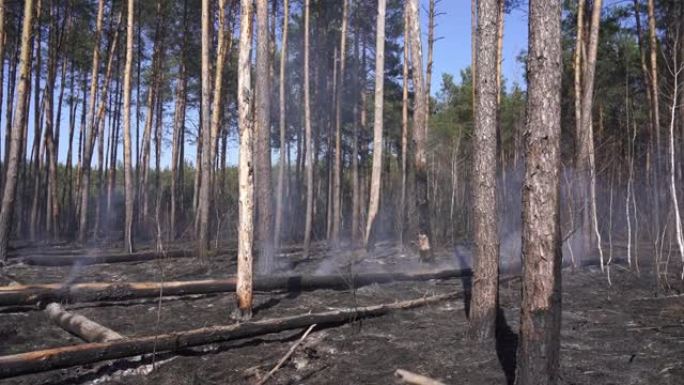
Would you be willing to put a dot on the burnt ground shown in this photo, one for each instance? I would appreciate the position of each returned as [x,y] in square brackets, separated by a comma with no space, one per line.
[612,334]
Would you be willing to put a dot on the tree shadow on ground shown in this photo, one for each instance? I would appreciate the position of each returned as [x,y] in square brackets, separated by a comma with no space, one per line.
[506,338]
[506,346]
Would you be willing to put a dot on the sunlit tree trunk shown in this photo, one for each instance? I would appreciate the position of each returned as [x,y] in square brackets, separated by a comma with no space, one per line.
[245,166]
[12,168]
[374,199]
[655,95]
[36,149]
[281,123]
[404,132]
[92,134]
[84,179]
[11,85]
[359,112]
[676,70]
[485,289]
[262,149]
[128,166]
[203,201]
[473,51]
[177,161]
[308,142]
[337,203]
[540,313]
[114,147]
[584,161]
[419,122]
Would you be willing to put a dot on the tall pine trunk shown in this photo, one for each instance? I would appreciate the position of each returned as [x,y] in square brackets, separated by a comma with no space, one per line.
[128,166]
[374,198]
[485,291]
[245,166]
[12,168]
[337,184]
[279,211]
[203,201]
[177,161]
[262,148]
[422,232]
[540,312]
[308,148]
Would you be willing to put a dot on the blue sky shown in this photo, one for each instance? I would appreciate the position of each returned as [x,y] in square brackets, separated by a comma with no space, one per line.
[451,55]
[452,52]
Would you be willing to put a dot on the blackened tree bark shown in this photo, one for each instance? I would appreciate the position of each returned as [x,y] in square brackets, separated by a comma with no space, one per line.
[540,312]
[482,317]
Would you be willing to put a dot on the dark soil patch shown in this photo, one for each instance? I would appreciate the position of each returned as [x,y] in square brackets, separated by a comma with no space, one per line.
[619,334]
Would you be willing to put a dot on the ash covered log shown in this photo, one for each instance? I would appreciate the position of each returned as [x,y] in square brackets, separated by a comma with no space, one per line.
[79,325]
[93,292]
[68,356]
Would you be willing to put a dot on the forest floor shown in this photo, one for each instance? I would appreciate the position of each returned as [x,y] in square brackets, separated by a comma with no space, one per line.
[612,334]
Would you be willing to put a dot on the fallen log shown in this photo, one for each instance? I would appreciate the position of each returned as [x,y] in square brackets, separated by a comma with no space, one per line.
[95,291]
[82,258]
[68,356]
[96,259]
[84,328]
[415,379]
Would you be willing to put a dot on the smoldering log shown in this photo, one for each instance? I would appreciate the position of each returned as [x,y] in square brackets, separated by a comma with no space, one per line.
[68,356]
[95,291]
[79,325]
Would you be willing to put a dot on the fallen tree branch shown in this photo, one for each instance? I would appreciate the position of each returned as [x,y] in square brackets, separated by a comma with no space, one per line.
[68,356]
[98,291]
[83,257]
[79,325]
[287,355]
[96,259]
[415,379]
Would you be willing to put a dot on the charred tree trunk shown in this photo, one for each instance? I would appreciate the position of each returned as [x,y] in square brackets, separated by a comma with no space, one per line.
[540,312]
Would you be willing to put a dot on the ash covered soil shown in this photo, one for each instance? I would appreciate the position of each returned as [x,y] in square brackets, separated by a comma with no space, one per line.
[612,334]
